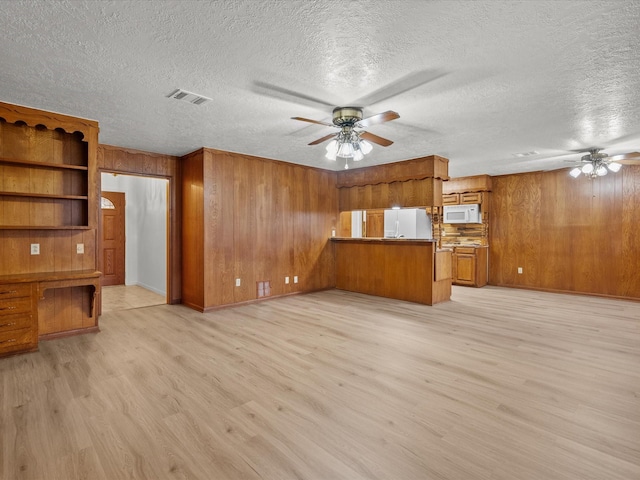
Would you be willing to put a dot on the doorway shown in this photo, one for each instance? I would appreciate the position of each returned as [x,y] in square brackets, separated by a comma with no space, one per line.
[144,233]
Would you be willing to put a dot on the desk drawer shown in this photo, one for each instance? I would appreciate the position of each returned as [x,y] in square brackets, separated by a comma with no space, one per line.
[15,322]
[15,290]
[17,340]
[10,306]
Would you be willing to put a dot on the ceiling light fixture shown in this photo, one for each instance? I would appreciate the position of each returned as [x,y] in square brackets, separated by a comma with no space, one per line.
[347,144]
[595,165]
[350,143]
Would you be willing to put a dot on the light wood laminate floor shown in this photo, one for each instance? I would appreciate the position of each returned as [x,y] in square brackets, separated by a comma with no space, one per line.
[126,297]
[496,384]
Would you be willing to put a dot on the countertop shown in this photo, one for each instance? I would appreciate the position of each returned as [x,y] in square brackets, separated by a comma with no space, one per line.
[383,240]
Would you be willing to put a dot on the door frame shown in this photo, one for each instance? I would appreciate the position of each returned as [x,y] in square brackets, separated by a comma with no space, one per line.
[173,255]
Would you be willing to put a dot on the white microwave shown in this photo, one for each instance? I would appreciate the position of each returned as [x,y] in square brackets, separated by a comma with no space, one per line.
[462,214]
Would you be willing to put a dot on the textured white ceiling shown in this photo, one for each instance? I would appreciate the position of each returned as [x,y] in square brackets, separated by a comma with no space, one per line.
[493,78]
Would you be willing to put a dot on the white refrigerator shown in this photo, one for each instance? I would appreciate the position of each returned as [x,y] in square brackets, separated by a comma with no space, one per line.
[407,223]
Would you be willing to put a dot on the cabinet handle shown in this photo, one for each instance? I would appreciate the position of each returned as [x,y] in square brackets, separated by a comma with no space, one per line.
[8,308]
[11,340]
[8,292]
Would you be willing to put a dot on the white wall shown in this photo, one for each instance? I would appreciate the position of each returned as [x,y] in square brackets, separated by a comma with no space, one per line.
[146,228]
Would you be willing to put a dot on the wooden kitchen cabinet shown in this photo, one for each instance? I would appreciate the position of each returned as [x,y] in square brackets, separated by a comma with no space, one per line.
[451,199]
[374,224]
[471,198]
[470,266]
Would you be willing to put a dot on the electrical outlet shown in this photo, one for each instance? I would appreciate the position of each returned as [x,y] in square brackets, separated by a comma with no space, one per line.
[237,282]
[295,279]
[286,280]
[35,249]
[80,248]
[519,269]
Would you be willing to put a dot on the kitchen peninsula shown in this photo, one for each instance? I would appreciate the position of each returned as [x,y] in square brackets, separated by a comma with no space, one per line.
[405,269]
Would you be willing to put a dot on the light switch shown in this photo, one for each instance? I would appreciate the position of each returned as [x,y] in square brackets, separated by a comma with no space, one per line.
[286,279]
[80,248]
[295,279]
[237,282]
[35,249]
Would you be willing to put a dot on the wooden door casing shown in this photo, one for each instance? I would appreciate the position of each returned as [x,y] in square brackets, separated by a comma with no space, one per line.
[113,240]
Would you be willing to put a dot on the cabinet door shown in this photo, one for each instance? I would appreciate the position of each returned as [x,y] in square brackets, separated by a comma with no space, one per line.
[465,269]
[375,223]
[451,199]
[470,198]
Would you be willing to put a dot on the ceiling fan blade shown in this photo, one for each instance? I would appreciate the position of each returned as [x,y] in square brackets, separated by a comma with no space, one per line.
[404,84]
[281,93]
[313,121]
[379,118]
[323,139]
[625,158]
[375,139]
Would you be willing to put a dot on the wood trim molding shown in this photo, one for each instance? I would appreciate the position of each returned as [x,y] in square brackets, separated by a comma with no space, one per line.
[432,166]
[33,117]
[476,183]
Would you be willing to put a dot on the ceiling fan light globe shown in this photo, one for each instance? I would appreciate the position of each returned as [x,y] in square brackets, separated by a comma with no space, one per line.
[365,146]
[331,156]
[332,147]
[614,167]
[587,168]
[575,173]
[357,156]
[345,150]
[601,171]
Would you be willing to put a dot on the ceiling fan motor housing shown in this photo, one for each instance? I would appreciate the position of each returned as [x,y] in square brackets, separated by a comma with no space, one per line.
[346,116]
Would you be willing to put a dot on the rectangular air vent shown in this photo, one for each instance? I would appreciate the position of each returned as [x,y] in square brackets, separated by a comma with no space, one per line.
[190,97]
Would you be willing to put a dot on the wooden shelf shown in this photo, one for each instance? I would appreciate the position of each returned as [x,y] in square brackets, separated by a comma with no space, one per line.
[44,195]
[29,164]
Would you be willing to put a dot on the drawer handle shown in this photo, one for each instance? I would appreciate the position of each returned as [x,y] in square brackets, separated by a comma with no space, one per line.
[8,308]
[8,292]
[11,340]
[7,324]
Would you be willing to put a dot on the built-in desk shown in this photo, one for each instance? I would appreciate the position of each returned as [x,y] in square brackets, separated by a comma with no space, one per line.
[412,270]
[23,296]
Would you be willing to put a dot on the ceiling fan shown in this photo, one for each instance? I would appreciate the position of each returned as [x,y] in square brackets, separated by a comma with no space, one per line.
[597,164]
[349,142]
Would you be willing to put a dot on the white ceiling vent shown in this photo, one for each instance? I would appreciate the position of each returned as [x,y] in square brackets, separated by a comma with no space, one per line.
[190,97]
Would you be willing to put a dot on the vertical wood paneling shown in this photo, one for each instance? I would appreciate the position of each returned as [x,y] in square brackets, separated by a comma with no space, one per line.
[263,220]
[567,234]
[629,276]
[192,232]
[218,229]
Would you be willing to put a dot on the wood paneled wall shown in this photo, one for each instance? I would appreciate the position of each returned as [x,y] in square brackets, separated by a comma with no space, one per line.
[136,162]
[256,220]
[411,183]
[575,235]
